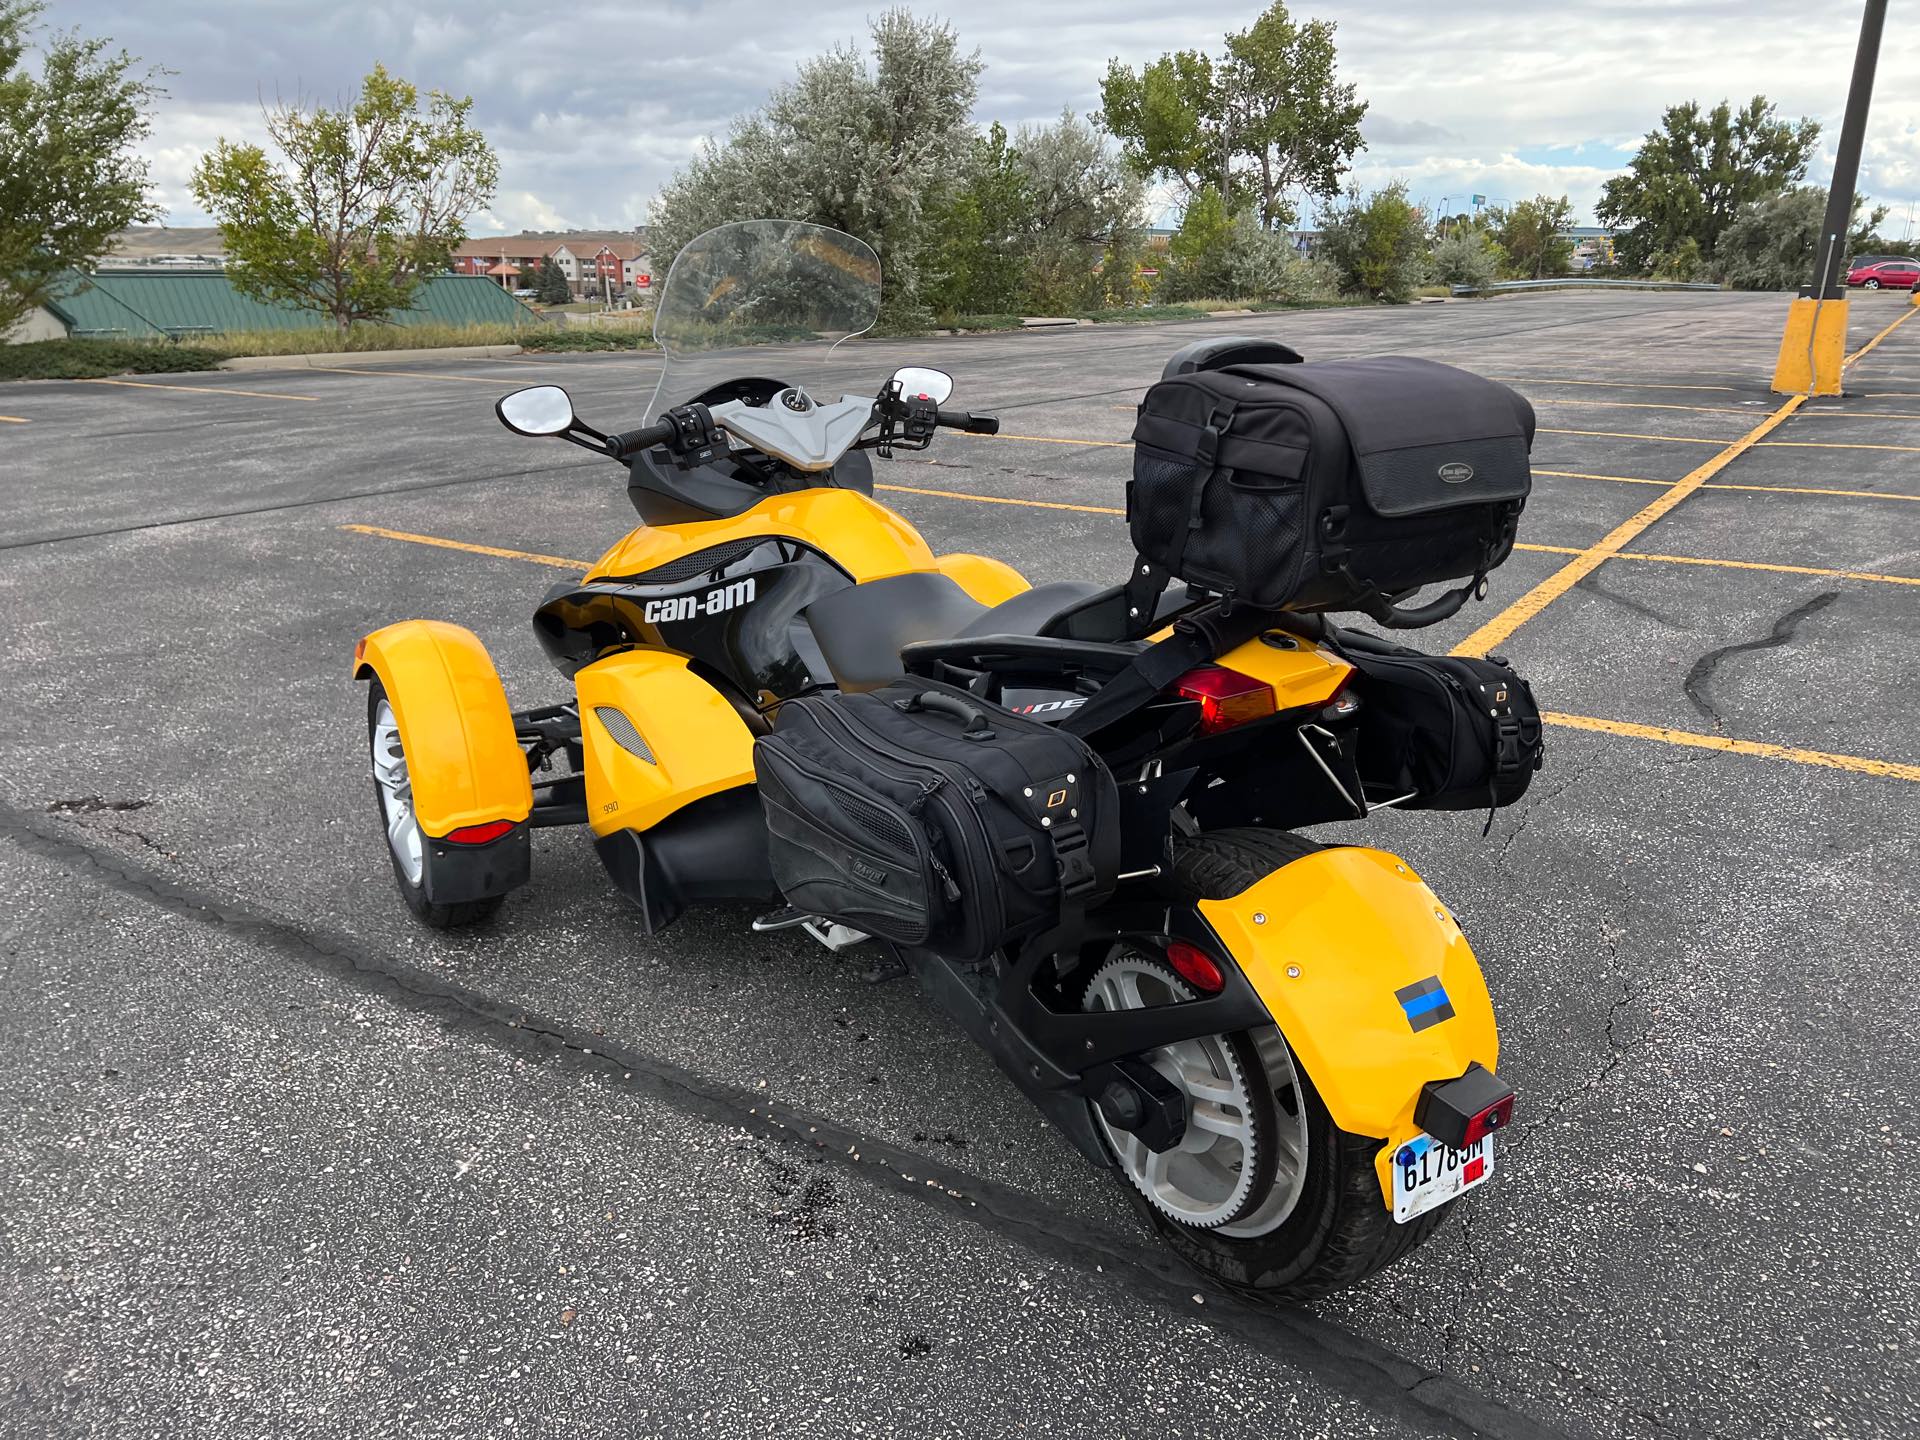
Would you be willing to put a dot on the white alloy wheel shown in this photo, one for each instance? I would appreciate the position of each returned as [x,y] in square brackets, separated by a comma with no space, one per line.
[396,794]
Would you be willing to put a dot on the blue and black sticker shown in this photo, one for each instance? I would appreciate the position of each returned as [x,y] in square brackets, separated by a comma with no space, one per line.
[1425,1002]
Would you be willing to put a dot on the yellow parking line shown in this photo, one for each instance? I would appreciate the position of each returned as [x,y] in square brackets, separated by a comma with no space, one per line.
[1610,384]
[1858,764]
[1865,414]
[1567,576]
[1584,475]
[202,389]
[559,562]
[1002,499]
[14,420]
[1777,569]
[1897,323]
[417,375]
[1838,445]
[1052,439]
[1651,405]
[1634,435]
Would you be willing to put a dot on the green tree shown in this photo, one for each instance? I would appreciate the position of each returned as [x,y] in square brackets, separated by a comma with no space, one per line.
[971,264]
[1466,256]
[869,147]
[1261,123]
[1533,235]
[363,204]
[69,177]
[1081,199]
[1696,172]
[1773,244]
[550,283]
[1377,244]
[1197,251]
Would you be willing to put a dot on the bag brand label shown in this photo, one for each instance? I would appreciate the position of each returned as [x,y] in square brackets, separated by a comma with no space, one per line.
[1456,472]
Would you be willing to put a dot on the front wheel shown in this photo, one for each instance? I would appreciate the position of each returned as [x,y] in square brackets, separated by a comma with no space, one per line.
[1873,284]
[1265,1193]
[407,845]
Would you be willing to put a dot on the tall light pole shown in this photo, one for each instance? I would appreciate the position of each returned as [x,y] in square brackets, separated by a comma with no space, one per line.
[1813,349]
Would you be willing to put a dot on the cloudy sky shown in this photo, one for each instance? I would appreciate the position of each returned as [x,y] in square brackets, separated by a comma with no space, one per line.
[592,103]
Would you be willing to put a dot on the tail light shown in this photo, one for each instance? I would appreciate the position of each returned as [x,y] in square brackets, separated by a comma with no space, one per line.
[1459,1112]
[479,834]
[1196,967]
[1226,697]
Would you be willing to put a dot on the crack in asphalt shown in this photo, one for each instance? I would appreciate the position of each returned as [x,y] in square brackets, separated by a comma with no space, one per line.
[1700,676]
[1344,1360]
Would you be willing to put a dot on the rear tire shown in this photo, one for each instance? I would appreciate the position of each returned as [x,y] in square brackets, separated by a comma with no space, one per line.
[407,850]
[1337,1230]
[1873,284]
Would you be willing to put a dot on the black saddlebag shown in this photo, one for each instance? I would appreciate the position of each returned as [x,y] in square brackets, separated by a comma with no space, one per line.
[921,814]
[1449,731]
[1337,485]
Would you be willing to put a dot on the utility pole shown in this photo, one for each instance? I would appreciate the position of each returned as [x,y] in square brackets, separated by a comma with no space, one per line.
[1827,281]
[1813,349]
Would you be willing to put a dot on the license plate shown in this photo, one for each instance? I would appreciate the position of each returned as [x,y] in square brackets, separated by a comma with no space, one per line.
[1427,1173]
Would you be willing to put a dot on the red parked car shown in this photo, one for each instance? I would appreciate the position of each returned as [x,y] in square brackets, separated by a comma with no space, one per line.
[1886,275]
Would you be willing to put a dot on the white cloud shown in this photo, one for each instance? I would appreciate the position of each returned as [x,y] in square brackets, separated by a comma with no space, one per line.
[593,103]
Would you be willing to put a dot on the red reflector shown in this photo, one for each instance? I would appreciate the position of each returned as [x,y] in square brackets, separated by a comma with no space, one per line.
[1496,1116]
[479,834]
[1195,967]
[1227,698]
[1474,1169]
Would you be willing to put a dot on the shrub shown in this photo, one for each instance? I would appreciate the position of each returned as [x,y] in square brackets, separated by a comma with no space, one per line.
[1376,245]
[1468,256]
[92,359]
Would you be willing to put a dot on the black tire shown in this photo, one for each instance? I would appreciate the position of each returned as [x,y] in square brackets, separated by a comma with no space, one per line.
[1339,1231]
[1873,284]
[440,917]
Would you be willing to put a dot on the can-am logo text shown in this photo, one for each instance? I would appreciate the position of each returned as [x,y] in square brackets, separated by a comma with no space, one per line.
[1456,473]
[686,607]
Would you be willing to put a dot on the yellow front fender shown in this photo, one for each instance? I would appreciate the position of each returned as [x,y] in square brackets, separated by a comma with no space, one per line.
[463,761]
[1340,944]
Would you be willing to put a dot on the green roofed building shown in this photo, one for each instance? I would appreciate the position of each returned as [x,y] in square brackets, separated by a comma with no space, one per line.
[154,303]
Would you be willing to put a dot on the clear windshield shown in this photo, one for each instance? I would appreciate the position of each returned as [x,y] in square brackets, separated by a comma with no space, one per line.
[771,298]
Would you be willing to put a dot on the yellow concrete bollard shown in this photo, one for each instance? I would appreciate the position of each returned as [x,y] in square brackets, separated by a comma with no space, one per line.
[1813,349]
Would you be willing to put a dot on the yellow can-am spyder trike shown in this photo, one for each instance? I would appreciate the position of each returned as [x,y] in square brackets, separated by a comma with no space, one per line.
[1285,1048]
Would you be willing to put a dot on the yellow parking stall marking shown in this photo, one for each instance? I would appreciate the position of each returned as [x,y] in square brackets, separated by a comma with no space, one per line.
[1858,764]
[1584,475]
[1611,384]
[559,562]
[1897,323]
[1587,561]
[202,389]
[417,375]
[1776,569]
[1837,445]
[13,420]
[1001,499]
[1052,439]
[1634,435]
[1651,405]
[1865,414]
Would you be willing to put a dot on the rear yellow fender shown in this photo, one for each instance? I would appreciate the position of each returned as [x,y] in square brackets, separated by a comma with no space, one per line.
[1346,947]
[985,579]
[464,763]
[655,737]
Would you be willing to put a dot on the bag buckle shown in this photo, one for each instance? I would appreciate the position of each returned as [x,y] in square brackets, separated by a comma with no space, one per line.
[1070,853]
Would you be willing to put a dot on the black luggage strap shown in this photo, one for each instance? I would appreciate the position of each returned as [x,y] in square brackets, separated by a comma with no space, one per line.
[1196,639]
[1206,460]
[1070,852]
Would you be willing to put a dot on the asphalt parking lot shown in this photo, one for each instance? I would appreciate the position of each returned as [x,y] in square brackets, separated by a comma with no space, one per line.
[282,1162]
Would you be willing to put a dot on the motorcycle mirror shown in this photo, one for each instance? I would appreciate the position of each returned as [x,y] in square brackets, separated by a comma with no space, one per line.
[539,410]
[917,382]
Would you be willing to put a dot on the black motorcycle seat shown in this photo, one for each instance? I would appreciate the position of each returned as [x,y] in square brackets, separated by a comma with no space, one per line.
[862,629]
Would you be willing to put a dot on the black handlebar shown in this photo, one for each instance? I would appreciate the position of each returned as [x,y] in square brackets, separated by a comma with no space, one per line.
[632,442]
[969,422]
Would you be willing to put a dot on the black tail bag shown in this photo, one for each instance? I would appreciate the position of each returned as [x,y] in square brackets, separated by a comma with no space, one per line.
[1334,485]
[928,817]
[1442,732]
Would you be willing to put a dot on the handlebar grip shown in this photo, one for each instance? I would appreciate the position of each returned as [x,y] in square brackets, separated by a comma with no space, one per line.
[632,442]
[969,422]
